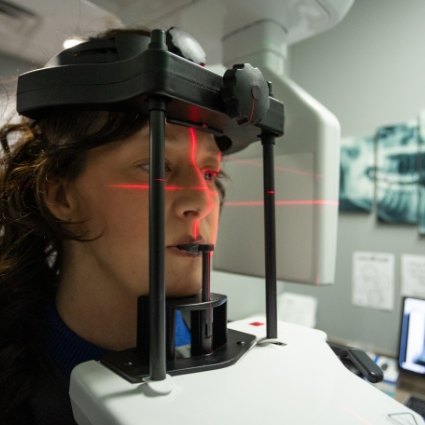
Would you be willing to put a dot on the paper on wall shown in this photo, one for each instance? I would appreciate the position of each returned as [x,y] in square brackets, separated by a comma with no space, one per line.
[413,275]
[373,280]
[297,308]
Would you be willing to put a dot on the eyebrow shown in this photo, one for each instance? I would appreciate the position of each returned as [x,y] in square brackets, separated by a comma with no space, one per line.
[211,148]
[213,152]
[214,149]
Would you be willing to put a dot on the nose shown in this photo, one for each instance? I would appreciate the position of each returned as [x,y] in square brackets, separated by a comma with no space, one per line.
[193,199]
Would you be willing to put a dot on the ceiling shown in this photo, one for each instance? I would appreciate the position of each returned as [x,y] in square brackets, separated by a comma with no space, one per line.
[34,30]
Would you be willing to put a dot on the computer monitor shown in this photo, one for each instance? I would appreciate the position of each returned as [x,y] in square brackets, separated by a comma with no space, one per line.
[411,356]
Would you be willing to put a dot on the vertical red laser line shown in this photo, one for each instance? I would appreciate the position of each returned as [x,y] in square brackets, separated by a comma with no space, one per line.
[252,110]
[209,193]
[202,187]
[193,149]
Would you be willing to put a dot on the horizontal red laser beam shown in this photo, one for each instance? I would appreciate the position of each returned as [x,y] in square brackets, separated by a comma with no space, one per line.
[279,202]
[281,169]
[283,202]
[146,187]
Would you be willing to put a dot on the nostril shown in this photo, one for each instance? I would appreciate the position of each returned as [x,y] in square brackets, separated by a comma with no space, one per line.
[193,211]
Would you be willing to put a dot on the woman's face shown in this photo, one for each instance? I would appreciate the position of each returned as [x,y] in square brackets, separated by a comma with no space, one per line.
[111,199]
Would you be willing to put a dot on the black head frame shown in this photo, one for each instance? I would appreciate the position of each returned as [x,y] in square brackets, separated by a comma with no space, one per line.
[163,78]
[120,72]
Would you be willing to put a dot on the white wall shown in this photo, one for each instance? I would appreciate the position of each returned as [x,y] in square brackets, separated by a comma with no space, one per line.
[10,68]
[370,71]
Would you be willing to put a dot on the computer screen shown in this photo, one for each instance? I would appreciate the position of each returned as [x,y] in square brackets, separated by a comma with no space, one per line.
[412,336]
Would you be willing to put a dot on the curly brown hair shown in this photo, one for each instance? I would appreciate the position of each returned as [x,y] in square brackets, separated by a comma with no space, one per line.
[30,236]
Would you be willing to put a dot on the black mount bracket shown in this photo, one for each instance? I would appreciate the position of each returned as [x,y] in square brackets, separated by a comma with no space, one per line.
[228,345]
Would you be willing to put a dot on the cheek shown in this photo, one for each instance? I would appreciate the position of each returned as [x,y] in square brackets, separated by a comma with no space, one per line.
[216,209]
[213,221]
[113,212]
[127,213]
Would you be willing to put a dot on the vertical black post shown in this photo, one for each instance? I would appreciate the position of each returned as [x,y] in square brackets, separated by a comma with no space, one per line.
[206,270]
[268,141]
[202,320]
[157,115]
[207,316]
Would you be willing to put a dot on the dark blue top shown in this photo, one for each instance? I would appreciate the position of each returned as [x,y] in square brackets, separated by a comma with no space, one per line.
[66,349]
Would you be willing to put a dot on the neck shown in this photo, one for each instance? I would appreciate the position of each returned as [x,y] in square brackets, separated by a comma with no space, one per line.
[95,309]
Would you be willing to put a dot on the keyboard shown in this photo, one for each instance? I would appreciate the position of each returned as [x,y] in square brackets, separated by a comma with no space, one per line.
[416,404]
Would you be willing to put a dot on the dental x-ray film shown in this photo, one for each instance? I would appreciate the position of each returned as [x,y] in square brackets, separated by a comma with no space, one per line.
[421,173]
[397,171]
[356,184]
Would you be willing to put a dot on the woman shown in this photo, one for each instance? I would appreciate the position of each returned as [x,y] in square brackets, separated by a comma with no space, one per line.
[74,247]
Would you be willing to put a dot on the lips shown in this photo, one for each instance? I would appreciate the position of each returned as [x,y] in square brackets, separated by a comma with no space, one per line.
[188,245]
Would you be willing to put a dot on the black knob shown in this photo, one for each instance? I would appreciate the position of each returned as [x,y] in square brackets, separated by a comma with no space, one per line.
[245,94]
[183,44]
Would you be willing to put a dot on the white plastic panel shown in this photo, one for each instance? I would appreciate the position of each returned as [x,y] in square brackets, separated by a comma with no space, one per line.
[301,383]
[307,182]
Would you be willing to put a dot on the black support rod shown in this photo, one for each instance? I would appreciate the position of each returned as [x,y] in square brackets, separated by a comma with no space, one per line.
[157,116]
[268,142]
[207,316]
[156,239]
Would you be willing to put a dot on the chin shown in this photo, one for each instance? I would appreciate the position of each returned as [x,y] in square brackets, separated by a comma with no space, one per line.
[186,291]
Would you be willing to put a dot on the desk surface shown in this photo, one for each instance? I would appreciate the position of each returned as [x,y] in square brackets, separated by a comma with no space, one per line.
[409,384]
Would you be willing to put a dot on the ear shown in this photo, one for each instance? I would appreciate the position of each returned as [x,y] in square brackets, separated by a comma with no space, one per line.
[59,199]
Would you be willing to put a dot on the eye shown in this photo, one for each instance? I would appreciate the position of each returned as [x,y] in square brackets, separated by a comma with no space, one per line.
[146,167]
[211,175]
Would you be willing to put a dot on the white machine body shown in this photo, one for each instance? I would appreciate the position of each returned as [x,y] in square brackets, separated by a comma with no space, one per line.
[307,157]
[306,176]
[301,382]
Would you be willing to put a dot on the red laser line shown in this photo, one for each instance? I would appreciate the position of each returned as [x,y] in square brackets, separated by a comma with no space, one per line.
[279,202]
[202,188]
[196,229]
[283,202]
[130,186]
[357,415]
[193,146]
[193,150]
[252,110]
[168,188]
[281,169]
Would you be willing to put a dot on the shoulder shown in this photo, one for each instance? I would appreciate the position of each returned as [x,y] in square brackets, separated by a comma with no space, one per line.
[49,399]
[46,403]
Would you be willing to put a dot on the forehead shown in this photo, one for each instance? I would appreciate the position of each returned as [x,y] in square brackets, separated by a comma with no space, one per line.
[175,134]
[179,140]
[178,137]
